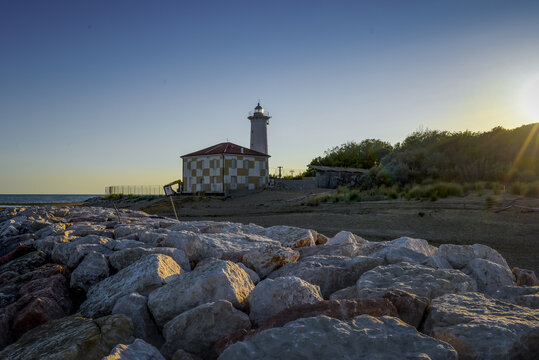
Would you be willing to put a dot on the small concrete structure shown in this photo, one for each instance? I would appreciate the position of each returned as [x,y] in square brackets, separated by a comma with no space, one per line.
[333,177]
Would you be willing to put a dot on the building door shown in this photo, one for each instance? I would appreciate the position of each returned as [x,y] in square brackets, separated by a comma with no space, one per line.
[233,182]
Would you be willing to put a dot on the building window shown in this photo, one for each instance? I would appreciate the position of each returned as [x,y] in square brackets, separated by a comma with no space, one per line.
[233,164]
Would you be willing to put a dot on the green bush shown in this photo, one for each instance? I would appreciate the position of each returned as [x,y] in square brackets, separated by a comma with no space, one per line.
[532,190]
[437,190]
[317,199]
[517,188]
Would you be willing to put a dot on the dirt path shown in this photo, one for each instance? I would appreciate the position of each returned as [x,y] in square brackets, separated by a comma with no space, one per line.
[513,232]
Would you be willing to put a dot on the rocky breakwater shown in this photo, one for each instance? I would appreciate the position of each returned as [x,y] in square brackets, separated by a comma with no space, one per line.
[83,283]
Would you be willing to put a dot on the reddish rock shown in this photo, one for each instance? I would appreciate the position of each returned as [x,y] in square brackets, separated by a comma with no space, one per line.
[525,277]
[37,311]
[40,300]
[410,307]
[338,309]
[18,252]
[54,287]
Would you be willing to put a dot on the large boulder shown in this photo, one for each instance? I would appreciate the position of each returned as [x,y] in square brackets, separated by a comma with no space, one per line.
[267,259]
[272,296]
[290,236]
[330,273]
[480,327]
[342,310]
[397,254]
[458,256]
[123,258]
[72,252]
[417,245]
[488,275]
[71,338]
[143,276]
[138,350]
[90,271]
[322,337]
[345,237]
[197,330]
[41,300]
[415,279]
[217,280]
[226,246]
[135,307]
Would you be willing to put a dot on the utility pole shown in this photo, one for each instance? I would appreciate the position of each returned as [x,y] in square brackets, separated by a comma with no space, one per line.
[280,168]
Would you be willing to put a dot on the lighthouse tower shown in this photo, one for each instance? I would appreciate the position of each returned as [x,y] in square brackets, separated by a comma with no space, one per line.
[259,130]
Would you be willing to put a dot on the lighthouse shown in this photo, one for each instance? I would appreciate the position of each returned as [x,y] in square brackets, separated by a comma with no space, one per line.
[259,129]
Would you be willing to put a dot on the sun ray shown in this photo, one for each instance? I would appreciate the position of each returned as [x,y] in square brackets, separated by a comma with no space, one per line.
[523,148]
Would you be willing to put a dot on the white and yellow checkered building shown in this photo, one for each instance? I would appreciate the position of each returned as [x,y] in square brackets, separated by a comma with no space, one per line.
[224,167]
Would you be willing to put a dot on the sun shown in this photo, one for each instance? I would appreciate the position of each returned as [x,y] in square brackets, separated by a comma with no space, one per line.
[530,99]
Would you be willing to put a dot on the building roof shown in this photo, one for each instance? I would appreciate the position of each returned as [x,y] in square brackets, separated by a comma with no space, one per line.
[338,169]
[226,148]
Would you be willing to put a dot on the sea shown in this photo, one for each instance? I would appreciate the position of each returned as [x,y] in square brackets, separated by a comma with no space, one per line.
[11,200]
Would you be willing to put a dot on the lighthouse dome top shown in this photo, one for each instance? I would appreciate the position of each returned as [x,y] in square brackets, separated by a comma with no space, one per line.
[259,109]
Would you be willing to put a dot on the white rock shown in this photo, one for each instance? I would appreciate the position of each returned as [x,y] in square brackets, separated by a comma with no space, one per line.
[267,259]
[138,350]
[135,307]
[197,330]
[79,251]
[230,246]
[415,279]
[330,273]
[272,296]
[418,245]
[480,327]
[123,258]
[322,337]
[217,280]
[142,276]
[488,275]
[458,256]
[291,236]
[345,237]
[187,241]
[397,254]
[90,271]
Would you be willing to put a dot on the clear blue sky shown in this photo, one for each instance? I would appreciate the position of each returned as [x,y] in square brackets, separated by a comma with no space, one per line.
[96,93]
